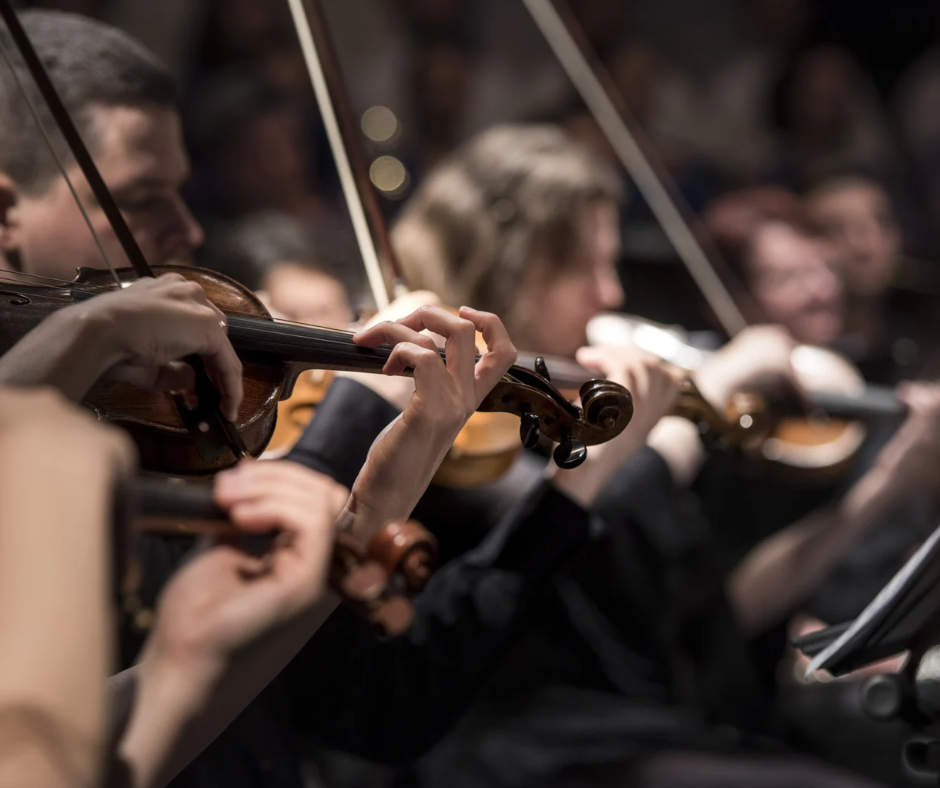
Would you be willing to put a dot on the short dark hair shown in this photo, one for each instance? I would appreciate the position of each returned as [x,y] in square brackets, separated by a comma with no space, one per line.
[92,65]
[250,248]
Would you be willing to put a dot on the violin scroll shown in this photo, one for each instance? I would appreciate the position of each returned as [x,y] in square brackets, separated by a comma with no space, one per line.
[380,580]
[406,550]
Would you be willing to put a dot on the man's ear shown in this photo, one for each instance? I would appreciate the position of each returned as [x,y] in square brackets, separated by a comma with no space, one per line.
[10,231]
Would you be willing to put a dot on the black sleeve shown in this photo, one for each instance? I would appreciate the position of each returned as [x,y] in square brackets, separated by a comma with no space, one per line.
[642,493]
[391,699]
[338,438]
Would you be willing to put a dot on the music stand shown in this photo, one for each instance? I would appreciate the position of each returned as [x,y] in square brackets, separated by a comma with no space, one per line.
[904,616]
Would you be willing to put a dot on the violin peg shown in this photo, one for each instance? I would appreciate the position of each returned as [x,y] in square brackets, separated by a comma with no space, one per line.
[570,454]
[542,368]
[529,432]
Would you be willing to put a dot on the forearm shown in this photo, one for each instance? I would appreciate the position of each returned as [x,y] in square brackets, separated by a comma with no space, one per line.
[785,568]
[54,572]
[175,712]
[69,351]
[400,466]
[37,750]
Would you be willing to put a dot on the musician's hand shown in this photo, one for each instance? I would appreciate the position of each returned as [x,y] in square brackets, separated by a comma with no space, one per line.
[405,457]
[395,389]
[653,386]
[756,358]
[224,599]
[152,324]
[799,662]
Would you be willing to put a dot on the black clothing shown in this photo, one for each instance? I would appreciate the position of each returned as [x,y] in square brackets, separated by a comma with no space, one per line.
[386,698]
[634,651]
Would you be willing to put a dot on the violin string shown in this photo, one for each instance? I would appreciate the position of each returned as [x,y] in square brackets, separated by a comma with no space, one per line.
[58,159]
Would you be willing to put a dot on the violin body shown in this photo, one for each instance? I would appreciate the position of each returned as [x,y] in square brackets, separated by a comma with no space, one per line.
[155,420]
[295,412]
[800,447]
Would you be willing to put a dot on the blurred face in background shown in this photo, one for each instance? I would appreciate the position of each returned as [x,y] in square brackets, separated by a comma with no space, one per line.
[442,84]
[823,96]
[265,164]
[303,294]
[790,277]
[856,216]
[561,304]
[635,69]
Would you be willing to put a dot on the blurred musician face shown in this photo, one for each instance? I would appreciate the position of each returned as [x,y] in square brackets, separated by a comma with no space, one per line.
[559,307]
[140,154]
[791,280]
[857,218]
[301,294]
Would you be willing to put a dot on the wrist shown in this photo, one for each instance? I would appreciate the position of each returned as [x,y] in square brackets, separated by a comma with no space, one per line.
[182,681]
[97,330]
[168,702]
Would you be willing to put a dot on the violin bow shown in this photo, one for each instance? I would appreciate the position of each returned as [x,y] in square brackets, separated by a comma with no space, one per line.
[602,98]
[339,122]
[341,129]
[210,430]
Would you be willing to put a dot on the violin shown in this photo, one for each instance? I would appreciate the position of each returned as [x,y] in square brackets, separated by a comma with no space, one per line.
[173,440]
[770,426]
[372,578]
[818,446]
[378,580]
[488,444]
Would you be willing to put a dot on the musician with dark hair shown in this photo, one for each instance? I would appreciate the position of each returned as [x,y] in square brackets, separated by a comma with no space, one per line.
[387,699]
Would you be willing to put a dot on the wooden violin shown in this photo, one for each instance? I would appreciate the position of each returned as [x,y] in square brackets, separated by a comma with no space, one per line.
[841,402]
[371,577]
[170,440]
[378,580]
[489,443]
[816,439]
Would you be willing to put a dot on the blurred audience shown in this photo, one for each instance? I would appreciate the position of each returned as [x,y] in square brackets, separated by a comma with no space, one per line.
[888,332]
[827,119]
[254,152]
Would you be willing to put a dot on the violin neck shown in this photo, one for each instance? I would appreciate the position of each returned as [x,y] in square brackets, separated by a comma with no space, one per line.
[304,347]
[875,402]
[158,498]
[311,347]
[563,373]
